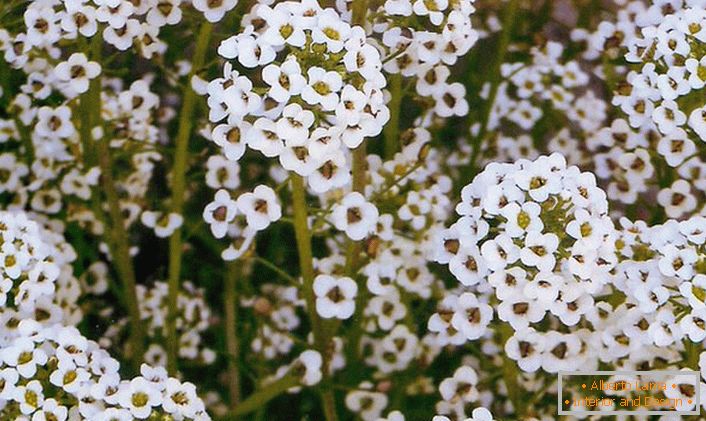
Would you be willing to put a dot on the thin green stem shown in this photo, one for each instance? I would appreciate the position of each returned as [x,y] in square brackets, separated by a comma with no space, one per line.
[89,114]
[186,121]
[510,373]
[276,269]
[258,399]
[391,133]
[354,248]
[231,331]
[303,239]
[359,11]
[693,352]
[120,251]
[118,241]
[495,79]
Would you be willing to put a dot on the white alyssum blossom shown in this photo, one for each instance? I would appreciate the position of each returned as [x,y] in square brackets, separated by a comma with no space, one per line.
[335,297]
[163,224]
[261,207]
[356,216]
[77,72]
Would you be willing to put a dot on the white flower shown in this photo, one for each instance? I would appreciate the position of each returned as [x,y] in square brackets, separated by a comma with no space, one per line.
[335,297]
[461,386]
[322,88]
[281,28]
[471,316]
[538,251]
[163,225]
[139,396]
[260,207]
[355,216]
[677,199]
[77,71]
[366,403]
[285,80]
[220,213]
[23,355]
[331,30]
[294,125]
[30,397]
[181,399]
[214,10]
[233,139]
[433,8]
[263,137]
[522,218]
[311,362]
[54,122]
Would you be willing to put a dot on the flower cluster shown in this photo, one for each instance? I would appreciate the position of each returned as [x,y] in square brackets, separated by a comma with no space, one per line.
[51,371]
[37,279]
[538,233]
[545,87]
[48,369]
[193,317]
[421,40]
[319,92]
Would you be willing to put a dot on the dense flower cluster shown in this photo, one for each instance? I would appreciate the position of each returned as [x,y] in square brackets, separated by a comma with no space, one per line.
[539,234]
[421,40]
[660,100]
[53,372]
[546,87]
[468,197]
[37,279]
[320,91]
[48,369]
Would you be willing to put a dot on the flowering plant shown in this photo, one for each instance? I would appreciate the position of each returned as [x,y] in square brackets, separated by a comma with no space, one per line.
[380,210]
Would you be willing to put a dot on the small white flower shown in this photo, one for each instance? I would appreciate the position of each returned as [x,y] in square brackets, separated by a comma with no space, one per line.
[311,362]
[220,213]
[214,10]
[335,297]
[538,251]
[139,396]
[163,224]
[261,207]
[356,216]
[322,88]
[77,71]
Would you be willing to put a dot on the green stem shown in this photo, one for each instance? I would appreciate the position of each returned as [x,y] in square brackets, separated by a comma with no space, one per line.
[510,373]
[89,108]
[693,352]
[303,239]
[120,251]
[354,248]
[276,270]
[118,241]
[231,331]
[359,11]
[186,120]
[261,397]
[505,37]
[391,132]
[26,139]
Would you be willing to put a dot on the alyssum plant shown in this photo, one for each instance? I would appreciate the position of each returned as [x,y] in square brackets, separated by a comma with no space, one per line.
[369,209]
